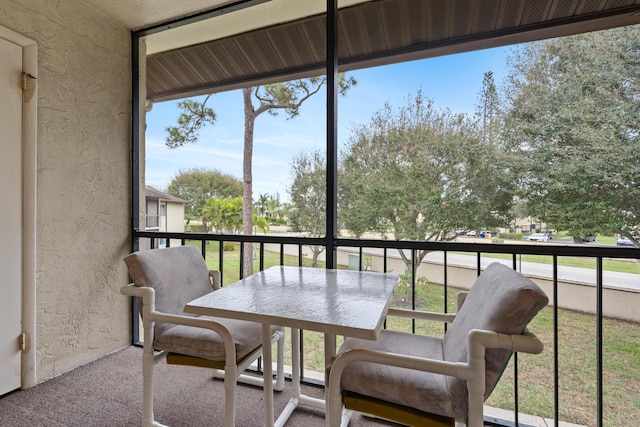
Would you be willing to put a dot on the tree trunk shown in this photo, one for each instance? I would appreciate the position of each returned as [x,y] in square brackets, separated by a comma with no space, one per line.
[247,190]
[407,265]
[316,251]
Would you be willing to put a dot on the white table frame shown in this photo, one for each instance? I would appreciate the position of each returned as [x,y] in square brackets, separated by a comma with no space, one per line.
[334,302]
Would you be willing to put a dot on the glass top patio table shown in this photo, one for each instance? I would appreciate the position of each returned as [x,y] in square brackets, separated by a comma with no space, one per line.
[334,302]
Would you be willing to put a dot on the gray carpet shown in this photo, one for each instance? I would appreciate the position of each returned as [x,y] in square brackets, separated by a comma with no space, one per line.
[108,392]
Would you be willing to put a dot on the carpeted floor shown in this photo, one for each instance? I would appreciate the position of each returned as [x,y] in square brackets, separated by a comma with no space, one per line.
[108,392]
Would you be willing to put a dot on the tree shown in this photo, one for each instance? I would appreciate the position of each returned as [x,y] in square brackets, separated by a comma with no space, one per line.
[488,109]
[261,223]
[421,173]
[287,97]
[224,214]
[574,119]
[274,207]
[262,204]
[198,185]
[309,197]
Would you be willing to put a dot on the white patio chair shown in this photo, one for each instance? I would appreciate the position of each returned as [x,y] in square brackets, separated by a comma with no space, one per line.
[164,280]
[426,381]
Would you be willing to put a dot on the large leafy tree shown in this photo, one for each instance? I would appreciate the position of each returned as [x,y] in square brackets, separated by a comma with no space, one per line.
[308,193]
[198,185]
[574,118]
[421,173]
[286,97]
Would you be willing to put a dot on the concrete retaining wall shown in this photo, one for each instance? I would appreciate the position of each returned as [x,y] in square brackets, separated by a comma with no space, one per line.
[617,303]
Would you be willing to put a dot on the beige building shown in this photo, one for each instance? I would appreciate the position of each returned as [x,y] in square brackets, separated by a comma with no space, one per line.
[164,212]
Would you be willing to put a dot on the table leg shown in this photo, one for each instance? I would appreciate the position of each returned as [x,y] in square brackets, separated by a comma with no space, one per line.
[297,397]
[295,362]
[295,379]
[267,367]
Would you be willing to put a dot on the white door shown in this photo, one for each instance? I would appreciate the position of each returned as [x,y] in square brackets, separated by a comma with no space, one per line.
[10,214]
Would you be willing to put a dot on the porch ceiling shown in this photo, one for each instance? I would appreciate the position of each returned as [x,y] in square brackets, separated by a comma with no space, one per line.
[283,39]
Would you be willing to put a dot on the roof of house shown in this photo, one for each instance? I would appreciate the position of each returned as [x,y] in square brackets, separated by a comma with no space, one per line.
[153,194]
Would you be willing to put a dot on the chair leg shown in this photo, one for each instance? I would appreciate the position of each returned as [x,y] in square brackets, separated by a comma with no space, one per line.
[148,362]
[476,386]
[230,382]
[147,385]
[334,409]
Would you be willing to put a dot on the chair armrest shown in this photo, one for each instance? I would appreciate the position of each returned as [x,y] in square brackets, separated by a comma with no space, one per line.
[216,281]
[147,294]
[454,369]
[421,315]
[150,315]
[527,342]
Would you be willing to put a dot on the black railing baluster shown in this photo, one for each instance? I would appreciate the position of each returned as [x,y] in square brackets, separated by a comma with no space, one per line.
[281,253]
[221,261]
[261,256]
[413,288]
[516,408]
[446,287]
[556,364]
[242,254]
[301,344]
[599,339]
[384,262]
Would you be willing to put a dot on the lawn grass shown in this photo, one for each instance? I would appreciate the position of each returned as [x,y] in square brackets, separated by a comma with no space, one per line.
[620,266]
[576,342]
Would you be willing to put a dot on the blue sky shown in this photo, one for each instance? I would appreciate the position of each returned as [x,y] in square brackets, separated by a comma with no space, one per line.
[452,82]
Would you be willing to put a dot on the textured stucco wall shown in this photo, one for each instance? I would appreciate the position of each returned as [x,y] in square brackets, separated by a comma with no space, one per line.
[83,195]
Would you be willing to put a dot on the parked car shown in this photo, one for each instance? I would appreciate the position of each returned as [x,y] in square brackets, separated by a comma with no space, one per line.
[590,238]
[539,237]
[624,241]
[470,233]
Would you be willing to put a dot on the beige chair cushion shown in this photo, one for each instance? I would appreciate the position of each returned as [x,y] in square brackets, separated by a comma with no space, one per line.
[204,343]
[178,275]
[500,300]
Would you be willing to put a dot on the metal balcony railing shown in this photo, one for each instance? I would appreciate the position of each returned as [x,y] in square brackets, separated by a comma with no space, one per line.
[443,267]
